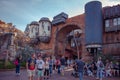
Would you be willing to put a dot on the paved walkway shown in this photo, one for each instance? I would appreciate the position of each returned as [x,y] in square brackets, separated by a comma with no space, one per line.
[10,75]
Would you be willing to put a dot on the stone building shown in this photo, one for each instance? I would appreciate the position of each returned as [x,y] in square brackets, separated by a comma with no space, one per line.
[11,40]
[111,30]
[7,46]
[94,32]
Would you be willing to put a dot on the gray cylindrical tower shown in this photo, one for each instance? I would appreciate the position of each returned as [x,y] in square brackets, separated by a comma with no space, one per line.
[93,24]
[45,30]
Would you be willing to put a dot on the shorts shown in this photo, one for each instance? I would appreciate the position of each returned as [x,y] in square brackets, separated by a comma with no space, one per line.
[31,73]
[40,73]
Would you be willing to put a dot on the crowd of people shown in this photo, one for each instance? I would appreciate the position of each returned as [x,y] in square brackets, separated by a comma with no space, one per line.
[99,69]
[102,69]
[45,67]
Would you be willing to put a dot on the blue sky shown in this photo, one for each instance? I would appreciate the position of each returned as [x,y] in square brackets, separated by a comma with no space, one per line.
[22,12]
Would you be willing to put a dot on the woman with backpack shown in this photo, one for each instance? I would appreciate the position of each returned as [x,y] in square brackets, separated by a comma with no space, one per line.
[17,65]
[58,65]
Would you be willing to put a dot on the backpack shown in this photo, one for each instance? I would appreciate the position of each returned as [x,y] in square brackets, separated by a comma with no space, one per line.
[16,62]
[58,62]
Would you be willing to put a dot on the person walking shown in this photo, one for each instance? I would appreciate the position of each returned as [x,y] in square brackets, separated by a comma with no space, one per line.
[68,63]
[40,66]
[58,65]
[17,64]
[31,66]
[50,65]
[80,65]
[100,67]
[54,64]
[46,73]
[107,69]
[63,62]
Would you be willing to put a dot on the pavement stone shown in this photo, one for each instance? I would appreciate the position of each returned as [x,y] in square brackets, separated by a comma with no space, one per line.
[10,75]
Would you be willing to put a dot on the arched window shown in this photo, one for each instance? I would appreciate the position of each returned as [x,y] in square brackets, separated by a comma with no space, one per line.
[49,28]
[32,29]
[43,25]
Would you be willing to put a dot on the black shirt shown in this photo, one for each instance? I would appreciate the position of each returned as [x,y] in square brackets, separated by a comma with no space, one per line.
[80,65]
[62,60]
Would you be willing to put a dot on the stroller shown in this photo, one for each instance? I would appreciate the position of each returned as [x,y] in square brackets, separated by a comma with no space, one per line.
[75,71]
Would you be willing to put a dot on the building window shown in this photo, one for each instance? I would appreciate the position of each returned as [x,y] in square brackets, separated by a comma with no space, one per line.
[32,29]
[43,25]
[48,28]
[119,21]
[115,21]
[107,24]
[72,43]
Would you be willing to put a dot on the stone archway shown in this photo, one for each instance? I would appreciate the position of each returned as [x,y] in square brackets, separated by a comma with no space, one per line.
[60,47]
[59,32]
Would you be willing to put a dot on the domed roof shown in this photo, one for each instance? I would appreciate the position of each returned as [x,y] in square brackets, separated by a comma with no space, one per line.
[34,23]
[44,19]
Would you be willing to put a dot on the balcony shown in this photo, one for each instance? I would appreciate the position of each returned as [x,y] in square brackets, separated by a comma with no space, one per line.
[112,29]
[58,21]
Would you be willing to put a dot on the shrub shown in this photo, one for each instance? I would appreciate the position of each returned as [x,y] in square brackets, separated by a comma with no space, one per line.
[9,65]
[1,65]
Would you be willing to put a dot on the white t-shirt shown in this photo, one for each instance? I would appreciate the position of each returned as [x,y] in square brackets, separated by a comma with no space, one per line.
[46,65]
[100,64]
[40,64]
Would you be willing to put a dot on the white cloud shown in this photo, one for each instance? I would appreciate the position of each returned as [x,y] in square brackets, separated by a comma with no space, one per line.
[109,2]
[78,11]
[115,0]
